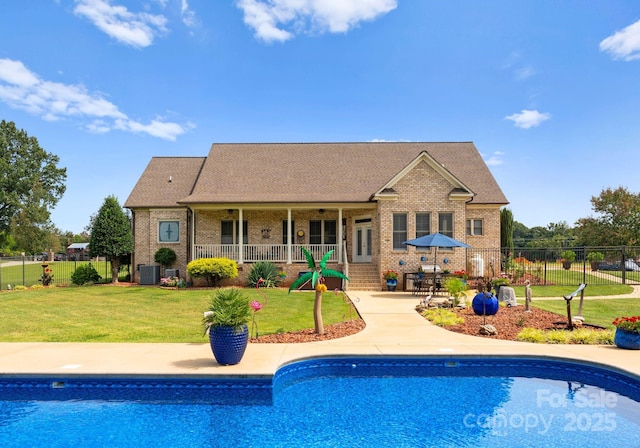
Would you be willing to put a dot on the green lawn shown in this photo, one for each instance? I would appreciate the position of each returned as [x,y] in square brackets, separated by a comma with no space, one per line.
[145,314]
[560,291]
[29,273]
[595,311]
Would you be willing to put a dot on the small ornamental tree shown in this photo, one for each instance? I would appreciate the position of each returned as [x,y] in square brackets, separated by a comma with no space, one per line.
[213,269]
[111,235]
[165,256]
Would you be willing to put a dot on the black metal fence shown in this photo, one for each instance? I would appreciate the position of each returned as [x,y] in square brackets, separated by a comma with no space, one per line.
[26,271]
[554,266]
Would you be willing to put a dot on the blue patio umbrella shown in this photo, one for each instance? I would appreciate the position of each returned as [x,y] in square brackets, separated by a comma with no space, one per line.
[435,240]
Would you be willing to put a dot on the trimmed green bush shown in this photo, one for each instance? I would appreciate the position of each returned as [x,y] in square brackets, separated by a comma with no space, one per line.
[85,274]
[165,256]
[213,269]
[265,270]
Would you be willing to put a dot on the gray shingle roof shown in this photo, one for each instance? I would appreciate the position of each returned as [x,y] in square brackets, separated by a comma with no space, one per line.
[165,181]
[305,172]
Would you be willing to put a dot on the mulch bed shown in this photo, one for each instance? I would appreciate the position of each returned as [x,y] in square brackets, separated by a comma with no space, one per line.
[509,321]
[333,331]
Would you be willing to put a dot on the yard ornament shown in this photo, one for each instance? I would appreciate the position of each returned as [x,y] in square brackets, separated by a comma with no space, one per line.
[317,276]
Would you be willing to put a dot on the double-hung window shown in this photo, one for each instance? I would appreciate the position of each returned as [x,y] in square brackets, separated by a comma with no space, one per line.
[230,230]
[474,227]
[423,224]
[284,231]
[399,231]
[445,224]
[323,232]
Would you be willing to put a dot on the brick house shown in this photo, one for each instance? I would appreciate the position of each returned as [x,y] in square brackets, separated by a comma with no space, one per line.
[361,200]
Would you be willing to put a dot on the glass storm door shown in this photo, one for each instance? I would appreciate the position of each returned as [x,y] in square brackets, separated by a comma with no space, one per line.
[362,241]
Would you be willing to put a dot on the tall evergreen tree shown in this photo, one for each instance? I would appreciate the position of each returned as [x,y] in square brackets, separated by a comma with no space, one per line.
[111,234]
[506,229]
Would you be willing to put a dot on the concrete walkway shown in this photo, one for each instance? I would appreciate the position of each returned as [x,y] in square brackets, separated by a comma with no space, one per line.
[393,328]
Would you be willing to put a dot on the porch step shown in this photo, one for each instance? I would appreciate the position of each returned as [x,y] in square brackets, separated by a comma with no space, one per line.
[364,277]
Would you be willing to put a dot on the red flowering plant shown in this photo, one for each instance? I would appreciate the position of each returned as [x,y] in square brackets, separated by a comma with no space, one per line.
[390,275]
[631,324]
[256,306]
[461,273]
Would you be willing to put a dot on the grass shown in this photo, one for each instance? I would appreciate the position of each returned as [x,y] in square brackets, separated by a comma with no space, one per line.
[29,273]
[595,311]
[589,291]
[145,314]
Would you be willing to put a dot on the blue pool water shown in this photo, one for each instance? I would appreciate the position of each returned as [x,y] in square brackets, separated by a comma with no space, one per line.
[464,402]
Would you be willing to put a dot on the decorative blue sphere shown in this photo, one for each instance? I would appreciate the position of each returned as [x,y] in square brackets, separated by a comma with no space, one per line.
[485,304]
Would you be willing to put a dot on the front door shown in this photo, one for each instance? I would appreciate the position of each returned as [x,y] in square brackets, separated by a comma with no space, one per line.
[362,241]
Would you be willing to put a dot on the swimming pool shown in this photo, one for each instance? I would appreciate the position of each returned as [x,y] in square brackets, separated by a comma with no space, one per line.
[368,401]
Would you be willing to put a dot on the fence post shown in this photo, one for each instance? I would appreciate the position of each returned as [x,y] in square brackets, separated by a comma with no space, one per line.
[624,265]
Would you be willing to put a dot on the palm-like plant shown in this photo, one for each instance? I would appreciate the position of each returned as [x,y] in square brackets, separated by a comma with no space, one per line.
[316,276]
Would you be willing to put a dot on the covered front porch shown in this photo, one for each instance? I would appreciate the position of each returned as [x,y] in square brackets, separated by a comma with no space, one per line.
[278,233]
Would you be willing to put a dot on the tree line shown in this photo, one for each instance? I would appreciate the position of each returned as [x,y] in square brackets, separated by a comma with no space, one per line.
[32,183]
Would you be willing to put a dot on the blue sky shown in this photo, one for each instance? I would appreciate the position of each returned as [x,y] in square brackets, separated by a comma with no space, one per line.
[548,90]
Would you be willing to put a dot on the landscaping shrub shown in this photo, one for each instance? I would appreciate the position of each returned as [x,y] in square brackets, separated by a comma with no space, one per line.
[265,270]
[531,335]
[442,317]
[213,269]
[85,274]
[165,256]
[558,337]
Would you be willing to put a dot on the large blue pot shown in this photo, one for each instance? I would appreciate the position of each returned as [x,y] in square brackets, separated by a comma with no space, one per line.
[227,345]
[627,339]
[485,304]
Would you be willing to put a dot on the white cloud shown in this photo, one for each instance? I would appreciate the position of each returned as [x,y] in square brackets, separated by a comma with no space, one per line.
[528,118]
[137,29]
[188,16]
[22,89]
[494,159]
[524,73]
[624,44]
[268,18]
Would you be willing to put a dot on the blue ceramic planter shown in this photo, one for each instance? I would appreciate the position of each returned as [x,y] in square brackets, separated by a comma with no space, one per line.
[627,339]
[485,304]
[391,285]
[228,346]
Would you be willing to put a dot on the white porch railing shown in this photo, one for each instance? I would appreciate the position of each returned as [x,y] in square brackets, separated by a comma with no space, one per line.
[264,252]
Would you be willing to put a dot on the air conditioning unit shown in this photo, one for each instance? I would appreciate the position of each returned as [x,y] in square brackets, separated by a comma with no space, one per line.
[172,273]
[149,275]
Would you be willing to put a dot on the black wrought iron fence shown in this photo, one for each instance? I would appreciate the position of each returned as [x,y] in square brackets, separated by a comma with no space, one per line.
[26,271]
[563,266]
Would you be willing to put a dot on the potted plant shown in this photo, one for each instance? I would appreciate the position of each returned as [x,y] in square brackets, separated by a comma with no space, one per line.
[226,321]
[498,283]
[567,257]
[455,286]
[627,332]
[595,258]
[392,279]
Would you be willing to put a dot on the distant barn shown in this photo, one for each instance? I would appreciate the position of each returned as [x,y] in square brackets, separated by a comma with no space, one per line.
[78,252]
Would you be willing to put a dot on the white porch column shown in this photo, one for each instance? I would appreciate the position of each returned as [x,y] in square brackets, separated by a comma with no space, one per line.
[240,238]
[340,259]
[289,242]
